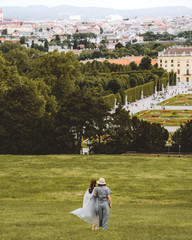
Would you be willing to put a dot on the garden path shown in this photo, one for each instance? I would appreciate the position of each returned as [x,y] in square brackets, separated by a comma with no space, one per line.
[150,103]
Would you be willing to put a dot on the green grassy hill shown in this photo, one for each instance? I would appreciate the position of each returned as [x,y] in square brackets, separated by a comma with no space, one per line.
[151,196]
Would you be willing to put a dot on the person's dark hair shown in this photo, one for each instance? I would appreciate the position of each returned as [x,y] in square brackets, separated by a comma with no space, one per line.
[92,185]
[101,185]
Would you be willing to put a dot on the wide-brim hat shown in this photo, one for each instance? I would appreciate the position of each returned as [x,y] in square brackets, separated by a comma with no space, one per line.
[101,181]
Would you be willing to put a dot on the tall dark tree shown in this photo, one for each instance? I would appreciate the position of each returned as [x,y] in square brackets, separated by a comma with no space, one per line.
[148,137]
[183,137]
[119,135]
[23,40]
[32,44]
[145,63]
[80,114]
[46,45]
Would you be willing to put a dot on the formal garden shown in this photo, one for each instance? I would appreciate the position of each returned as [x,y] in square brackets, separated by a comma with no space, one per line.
[151,196]
[166,117]
[179,100]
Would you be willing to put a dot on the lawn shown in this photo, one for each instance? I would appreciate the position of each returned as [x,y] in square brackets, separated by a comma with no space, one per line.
[151,197]
[179,100]
[166,117]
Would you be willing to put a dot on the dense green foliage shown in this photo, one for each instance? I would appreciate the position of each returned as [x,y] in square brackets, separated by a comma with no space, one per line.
[151,36]
[130,134]
[183,137]
[49,102]
[75,41]
[151,197]
[147,49]
[117,81]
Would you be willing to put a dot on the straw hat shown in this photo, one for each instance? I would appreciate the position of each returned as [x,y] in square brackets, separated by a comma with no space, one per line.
[101,181]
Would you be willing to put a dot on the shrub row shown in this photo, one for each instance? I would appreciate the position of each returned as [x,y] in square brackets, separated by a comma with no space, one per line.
[135,93]
[147,88]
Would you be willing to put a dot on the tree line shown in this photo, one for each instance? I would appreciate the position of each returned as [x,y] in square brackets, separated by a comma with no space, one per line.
[146,49]
[44,109]
[151,36]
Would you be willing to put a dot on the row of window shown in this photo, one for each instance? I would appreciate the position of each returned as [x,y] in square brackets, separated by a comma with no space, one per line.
[187,71]
[172,61]
[178,65]
[178,71]
[178,79]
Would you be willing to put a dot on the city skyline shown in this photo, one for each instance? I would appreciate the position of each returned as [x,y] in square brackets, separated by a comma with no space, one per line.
[121,4]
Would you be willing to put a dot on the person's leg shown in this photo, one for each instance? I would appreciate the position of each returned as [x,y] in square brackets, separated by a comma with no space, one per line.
[105,217]
[100,216]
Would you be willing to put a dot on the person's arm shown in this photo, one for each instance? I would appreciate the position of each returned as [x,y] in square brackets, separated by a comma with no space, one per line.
[110,203]
[95,192]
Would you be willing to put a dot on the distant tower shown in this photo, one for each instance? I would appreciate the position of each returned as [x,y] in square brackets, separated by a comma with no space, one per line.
[1,15]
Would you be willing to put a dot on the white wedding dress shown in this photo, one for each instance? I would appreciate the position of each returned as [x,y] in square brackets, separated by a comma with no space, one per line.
[89,211]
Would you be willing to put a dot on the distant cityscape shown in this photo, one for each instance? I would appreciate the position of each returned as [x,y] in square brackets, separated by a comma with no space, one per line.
[111,30]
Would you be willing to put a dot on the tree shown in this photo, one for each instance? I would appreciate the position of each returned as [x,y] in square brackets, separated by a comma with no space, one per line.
[119,45]
[23,40]
[145,63]
[75,46]
[32,44]
[57,38]
[133,66]
[22,105]
[20,59]
[119,135]
[46,45]
[80,114]
[4,32]
[96,54]
[183,137]
[148,137]
[114,86]
[133,80]
[59,71]
[101,122]
[7,46]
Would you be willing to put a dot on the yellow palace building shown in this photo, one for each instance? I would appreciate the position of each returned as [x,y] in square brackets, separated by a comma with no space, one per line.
[179,60]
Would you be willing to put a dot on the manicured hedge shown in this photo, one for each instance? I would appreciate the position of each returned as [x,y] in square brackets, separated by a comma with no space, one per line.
[109,100]
[147,88]
[135,93]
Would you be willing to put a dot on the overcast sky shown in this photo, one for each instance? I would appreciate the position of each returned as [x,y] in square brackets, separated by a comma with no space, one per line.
[119,4]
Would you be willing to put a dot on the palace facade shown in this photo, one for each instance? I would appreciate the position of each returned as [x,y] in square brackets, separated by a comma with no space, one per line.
[179,60]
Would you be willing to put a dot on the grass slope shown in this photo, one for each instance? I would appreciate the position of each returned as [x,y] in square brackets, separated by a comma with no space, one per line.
[152,197]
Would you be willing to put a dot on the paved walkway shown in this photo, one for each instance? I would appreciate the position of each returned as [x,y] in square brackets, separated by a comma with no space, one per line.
[150,103]
[171,128]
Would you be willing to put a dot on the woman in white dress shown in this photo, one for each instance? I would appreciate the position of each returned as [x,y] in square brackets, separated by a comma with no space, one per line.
[89,211]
